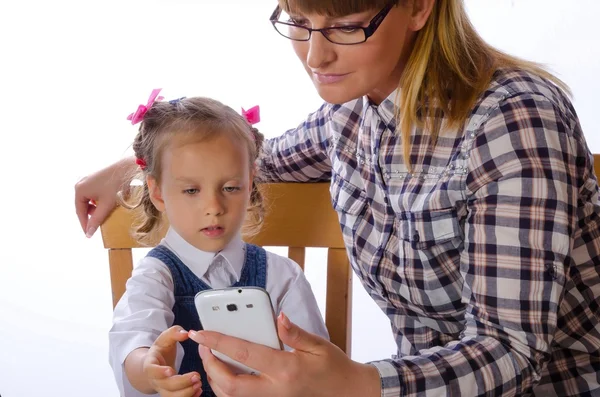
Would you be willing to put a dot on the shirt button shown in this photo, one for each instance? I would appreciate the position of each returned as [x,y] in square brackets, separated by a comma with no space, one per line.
[416,237]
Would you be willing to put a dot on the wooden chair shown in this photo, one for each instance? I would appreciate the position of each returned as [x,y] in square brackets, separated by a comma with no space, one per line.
[299,215]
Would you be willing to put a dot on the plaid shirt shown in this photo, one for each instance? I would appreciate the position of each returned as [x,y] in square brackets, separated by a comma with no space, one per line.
[486,256]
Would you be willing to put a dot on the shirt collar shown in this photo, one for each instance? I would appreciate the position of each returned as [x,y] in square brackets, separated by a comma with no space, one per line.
[386,109]
[199,261]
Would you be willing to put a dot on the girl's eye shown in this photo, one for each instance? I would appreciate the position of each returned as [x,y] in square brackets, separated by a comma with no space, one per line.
[231,189]
[191,191]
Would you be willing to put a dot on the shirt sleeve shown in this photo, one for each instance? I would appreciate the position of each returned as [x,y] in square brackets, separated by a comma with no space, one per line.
[526,166]
[299,155]
[142,314]
[292,294]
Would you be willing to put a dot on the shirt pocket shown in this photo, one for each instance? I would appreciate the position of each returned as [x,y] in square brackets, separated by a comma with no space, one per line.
[427,229]
[347,198]
[429,262]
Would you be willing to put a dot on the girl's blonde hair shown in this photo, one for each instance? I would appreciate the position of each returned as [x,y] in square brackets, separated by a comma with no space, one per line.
[449,67]
[193,119]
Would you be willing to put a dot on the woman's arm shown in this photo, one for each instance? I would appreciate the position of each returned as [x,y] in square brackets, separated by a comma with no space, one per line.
[101,187]
[300,155]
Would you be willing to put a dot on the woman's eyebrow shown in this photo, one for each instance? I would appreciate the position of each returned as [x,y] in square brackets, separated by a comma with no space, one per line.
[355,17]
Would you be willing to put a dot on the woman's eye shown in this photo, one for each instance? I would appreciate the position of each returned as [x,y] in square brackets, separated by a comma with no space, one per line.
[348,29]
[296,21]
[231,189]
[191,191]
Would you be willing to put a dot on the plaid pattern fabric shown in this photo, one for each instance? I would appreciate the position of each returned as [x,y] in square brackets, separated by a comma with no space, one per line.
[485,257]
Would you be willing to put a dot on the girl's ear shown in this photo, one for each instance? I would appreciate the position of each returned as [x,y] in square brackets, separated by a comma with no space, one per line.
[155,193]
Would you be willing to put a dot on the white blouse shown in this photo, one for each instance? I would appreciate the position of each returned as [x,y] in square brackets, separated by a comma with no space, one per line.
[145,310]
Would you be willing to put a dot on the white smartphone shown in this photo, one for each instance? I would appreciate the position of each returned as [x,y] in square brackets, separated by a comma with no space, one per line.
[243,312]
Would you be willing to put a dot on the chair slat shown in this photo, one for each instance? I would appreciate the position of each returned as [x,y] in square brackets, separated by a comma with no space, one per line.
[121,266]
[297,254]
[338,312]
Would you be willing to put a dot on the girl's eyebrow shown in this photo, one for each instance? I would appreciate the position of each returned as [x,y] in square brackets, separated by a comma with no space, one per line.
[185,179]
[228,178]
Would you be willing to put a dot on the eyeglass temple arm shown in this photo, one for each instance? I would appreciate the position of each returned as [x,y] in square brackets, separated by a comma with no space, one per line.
[275,14]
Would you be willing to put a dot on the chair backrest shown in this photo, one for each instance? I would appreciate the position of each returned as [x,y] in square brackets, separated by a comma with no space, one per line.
[299,215]
[597,165]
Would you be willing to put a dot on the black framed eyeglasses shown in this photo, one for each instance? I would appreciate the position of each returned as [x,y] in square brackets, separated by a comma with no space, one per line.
[345,35]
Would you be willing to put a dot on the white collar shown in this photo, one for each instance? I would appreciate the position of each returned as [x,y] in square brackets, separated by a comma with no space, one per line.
[199,261]
[386,109]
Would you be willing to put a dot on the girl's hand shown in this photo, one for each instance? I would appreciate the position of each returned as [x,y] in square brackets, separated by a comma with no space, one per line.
[159,367]
[315,368]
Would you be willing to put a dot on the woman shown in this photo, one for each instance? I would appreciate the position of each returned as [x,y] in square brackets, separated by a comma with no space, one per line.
[467,200]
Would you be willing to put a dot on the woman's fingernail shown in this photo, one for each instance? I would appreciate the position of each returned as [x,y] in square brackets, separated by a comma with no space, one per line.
[182,331]
[285,321]
[195,379]
[90,232]
[198,337]
[197,386]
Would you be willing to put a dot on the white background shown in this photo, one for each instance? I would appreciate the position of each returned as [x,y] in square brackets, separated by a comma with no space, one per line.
[70,71]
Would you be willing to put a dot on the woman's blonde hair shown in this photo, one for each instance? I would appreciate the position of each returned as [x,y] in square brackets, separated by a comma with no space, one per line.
[192,119]
[449,67]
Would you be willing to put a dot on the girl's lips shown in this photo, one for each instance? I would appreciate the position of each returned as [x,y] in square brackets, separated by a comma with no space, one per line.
[213,231]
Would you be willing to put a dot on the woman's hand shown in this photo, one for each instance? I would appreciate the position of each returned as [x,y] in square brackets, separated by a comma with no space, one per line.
[96,194]
[315,368]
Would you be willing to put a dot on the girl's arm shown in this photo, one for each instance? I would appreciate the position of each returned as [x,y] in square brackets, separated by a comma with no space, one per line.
[298,302]
[142,314]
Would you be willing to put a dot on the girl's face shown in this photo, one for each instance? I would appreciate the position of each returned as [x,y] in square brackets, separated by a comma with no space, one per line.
[345,72]
[204,190]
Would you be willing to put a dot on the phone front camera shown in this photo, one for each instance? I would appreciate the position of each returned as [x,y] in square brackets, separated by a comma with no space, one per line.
[232,307]
[239,291]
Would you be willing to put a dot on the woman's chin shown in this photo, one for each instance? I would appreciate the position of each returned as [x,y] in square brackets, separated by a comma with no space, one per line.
[337,93]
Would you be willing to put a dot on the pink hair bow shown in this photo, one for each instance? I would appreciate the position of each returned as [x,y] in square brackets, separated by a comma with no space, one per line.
[252,115]
[138,115]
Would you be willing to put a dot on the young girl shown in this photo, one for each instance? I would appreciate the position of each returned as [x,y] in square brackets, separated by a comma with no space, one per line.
[196,157]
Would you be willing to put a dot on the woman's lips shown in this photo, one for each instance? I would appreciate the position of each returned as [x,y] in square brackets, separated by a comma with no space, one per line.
[328,78]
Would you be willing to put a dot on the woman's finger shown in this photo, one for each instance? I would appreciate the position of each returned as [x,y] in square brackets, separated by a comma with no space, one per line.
[225,383]
[297,338]
[260,357]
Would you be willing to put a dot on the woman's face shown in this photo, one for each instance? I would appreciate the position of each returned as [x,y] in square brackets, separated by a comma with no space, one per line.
[345,72]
